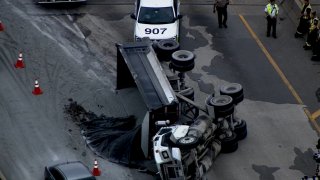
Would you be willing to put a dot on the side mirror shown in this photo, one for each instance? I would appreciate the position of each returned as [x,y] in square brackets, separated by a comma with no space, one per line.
[133,16]
[179,16]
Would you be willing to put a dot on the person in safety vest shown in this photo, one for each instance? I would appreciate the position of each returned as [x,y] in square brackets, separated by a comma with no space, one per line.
[304,24]
[272,11]
[305,6]
[313,32]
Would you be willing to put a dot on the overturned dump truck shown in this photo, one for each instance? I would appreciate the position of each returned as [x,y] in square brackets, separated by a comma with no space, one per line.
[181,136]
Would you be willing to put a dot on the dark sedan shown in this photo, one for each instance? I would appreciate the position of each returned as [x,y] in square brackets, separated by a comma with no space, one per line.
[74,170]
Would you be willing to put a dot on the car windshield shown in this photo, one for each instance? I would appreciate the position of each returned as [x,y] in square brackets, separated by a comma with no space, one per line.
[163,15]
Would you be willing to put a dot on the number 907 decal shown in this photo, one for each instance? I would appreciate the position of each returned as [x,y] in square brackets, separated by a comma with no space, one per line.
[155,30]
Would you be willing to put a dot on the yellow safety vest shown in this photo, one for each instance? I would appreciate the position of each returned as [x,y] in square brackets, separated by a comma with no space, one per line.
[312,26]
[274,7]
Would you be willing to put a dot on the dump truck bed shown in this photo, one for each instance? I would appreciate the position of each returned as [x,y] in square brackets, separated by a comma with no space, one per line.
[138,62]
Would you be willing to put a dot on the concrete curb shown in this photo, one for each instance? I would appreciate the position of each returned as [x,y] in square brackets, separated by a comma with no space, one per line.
[292,9]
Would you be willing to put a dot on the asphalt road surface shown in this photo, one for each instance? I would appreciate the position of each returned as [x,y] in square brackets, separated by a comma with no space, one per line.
[72,53]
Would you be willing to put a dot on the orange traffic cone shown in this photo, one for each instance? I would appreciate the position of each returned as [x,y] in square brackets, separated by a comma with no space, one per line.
[19,63]
[36,90]
[95,170]
[1,26]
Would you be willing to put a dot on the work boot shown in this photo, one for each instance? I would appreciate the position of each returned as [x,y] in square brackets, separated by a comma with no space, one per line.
[297,35]
[314,58]
[306,47]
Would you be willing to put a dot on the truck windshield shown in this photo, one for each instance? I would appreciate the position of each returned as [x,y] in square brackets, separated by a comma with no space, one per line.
[163,15]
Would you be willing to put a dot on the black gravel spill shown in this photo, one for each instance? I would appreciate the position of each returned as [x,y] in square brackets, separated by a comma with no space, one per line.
[114,138]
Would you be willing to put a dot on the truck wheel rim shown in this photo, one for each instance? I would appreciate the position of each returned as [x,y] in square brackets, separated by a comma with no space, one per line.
[187,140]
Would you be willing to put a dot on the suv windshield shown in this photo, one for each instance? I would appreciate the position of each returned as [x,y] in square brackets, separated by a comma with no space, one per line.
[163,15]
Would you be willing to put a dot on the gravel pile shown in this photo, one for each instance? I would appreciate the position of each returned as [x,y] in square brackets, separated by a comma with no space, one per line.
[112,138]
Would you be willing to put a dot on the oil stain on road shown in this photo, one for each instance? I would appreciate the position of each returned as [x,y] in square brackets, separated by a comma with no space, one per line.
[303,161]
[265,172]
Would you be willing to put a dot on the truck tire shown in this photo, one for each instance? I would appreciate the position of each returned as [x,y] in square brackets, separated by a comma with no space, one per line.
[188,94]
[183,58]
[168,45]
[187,142]
[181,68]
[241,130]
[229,144]
[223,105]
[165,48]
[234,90]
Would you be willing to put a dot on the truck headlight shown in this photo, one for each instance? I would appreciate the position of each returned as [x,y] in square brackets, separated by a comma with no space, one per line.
[165,154]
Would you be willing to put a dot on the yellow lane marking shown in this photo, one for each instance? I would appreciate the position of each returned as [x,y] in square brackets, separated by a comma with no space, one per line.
[279,71]
[316,114]
[312,119]
[271,60]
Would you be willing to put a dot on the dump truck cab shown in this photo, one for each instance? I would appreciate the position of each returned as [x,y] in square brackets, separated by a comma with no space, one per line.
[183,152]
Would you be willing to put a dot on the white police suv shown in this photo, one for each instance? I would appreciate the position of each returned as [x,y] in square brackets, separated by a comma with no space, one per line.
[156,19]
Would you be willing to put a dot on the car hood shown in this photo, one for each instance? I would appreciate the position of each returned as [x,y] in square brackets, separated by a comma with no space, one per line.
[165,31]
